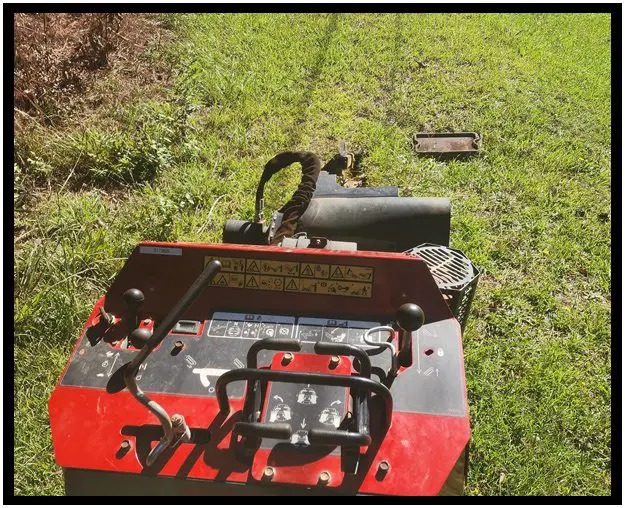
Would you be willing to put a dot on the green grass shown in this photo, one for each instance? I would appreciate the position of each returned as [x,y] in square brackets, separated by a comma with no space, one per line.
[533,211]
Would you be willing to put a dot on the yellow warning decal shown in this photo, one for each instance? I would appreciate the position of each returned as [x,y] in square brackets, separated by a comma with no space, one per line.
[314,270]
[230,280]
[292,276]
[271,283]
[346,289]
[279,268]
[252,266]
[236,280]
[355,273]
[291,284]
[228,264]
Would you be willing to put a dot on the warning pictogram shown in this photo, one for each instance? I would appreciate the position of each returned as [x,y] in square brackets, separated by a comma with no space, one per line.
[309,286]
[295,277]
[252,266]
[228,264]
[271,283]
[354,273]
[315,270]
[322,271]
[291,284]
[251,282]
[236,280]
[279,267]
[231,280]
[221,281]
[337,273]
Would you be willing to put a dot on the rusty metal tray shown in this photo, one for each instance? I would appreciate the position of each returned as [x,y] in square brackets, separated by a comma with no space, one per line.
[447,145]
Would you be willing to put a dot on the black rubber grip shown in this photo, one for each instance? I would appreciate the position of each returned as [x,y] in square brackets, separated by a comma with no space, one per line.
[338,438]
[268,430]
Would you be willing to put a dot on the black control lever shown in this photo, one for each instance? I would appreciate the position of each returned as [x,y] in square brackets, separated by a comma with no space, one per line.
[174,429]
[134,299]
[256,430]
[139,337]
[409,317]
[174,315]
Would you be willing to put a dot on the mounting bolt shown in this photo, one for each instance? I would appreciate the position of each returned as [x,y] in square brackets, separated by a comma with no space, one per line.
[178,345]
[268,473]
[383,469]
[287,358]
[334,362]
[125,446]
[324,478]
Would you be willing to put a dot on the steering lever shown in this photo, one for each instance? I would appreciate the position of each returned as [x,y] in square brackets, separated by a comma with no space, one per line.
[175,429]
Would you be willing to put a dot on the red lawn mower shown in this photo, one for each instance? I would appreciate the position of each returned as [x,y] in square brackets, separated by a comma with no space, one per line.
[319,352]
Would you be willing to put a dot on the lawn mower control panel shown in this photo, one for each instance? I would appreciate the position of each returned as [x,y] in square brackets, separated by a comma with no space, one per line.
[265,369]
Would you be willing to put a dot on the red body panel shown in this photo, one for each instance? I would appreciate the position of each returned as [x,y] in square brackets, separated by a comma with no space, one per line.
[88,424]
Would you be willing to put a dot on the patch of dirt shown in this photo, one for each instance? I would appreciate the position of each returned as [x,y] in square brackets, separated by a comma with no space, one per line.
[58,56]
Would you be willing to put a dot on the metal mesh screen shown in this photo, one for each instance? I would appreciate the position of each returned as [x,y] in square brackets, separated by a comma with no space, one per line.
[455,275]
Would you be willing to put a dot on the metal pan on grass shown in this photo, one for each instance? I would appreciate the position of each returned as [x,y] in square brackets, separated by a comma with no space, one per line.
[447,145]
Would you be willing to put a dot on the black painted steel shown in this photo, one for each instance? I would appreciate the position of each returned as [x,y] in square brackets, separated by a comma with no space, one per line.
[260,430]
[337,438]
[327,187]
[331,348]
[244,232]
[352,382]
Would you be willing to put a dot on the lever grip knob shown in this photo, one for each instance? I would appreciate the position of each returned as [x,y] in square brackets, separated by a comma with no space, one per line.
[134,298]
[410,317]
[139,337]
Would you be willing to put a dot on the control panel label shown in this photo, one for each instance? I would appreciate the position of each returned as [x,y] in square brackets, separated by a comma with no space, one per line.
[166,251]
[296,277]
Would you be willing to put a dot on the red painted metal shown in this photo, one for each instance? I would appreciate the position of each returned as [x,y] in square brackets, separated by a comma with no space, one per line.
[88,425]
[398,279]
